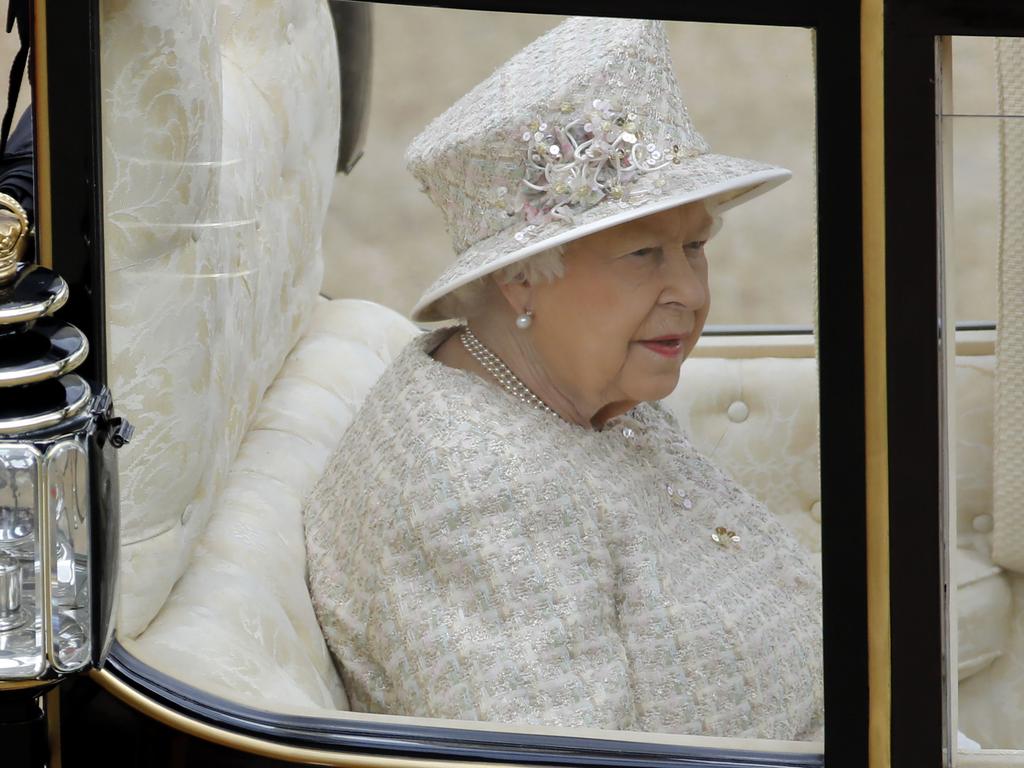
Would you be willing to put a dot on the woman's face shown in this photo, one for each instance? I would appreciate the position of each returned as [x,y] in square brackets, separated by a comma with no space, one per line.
[632,303]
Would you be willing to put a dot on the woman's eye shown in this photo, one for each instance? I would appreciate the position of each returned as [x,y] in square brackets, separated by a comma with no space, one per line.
[692,247]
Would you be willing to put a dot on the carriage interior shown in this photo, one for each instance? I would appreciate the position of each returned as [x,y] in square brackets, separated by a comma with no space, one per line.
[221,121]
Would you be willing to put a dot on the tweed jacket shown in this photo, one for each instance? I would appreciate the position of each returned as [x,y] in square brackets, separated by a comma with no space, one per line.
[471,557]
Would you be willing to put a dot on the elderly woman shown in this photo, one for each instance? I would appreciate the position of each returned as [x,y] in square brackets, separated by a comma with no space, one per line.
[513,529]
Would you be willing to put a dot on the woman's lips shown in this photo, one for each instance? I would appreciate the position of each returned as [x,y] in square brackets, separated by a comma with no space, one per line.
[666,346]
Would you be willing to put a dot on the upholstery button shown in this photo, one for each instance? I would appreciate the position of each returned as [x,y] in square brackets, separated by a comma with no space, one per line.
[982,523]
[738,411]
[816,511]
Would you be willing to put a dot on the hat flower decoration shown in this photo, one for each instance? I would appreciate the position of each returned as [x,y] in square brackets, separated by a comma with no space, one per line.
[583,129]
[577,164]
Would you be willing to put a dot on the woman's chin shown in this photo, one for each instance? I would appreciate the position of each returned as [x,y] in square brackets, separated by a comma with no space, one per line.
[658,386]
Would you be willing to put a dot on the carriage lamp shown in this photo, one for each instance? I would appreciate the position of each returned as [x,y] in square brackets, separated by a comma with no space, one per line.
[58,527]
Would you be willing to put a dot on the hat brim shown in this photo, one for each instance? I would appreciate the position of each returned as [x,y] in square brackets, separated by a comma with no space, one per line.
[723,181]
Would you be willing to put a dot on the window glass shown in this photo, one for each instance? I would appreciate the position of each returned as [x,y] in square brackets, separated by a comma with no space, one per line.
[654,571]
[982,143]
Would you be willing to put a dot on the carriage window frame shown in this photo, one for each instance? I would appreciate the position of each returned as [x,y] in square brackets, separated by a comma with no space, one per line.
[69,190]
[950,152]
[923,708]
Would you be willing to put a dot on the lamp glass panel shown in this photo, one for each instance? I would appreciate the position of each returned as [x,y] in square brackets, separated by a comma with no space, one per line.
[68,504]
[21,623]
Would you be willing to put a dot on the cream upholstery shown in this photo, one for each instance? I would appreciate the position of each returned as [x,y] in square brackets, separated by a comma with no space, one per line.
[984,611]
[974,421]
[991,602]
[255,637]
[992,701]
[217,173]
[758,418]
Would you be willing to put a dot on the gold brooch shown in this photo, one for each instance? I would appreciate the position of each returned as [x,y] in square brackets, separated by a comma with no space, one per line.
[723,537]
[13,236]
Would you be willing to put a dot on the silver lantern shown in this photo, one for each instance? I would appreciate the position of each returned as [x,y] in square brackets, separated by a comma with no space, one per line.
[58,493]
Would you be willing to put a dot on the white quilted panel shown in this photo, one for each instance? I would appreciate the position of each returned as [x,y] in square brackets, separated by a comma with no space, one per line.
[217,175]
[255,638]
[1008,485]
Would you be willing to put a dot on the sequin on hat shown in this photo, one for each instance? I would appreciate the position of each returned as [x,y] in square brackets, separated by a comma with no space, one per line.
[583,129]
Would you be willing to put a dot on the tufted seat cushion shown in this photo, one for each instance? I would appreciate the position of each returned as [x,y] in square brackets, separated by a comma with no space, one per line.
[984,611]
[255,638]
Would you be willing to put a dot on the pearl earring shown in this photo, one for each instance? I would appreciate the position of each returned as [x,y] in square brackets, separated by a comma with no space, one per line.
[525,320]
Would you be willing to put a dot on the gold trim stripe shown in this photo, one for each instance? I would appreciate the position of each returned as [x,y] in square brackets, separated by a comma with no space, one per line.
[872,71]
[264,747]
[51,706]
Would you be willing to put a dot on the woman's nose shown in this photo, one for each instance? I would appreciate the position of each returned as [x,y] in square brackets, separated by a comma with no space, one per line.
[685,282]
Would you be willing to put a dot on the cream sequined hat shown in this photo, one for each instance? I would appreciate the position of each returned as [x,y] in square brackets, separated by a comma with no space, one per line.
[583,129]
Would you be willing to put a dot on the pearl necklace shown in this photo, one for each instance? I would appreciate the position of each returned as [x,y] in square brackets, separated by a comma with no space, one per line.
[497,368]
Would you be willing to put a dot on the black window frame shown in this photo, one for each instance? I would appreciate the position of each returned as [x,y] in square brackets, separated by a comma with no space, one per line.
[920,728]
[69,172]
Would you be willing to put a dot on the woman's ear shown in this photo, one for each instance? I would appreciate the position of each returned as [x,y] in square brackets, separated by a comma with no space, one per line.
[517,293]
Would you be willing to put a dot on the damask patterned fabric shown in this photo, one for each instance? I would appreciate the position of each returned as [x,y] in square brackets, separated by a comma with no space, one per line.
[220,128]
[471,558]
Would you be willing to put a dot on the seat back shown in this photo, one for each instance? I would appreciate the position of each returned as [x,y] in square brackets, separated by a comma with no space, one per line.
[255,638]
[217,176]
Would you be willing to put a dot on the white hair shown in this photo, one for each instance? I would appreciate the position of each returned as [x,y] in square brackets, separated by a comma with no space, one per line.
[467,301]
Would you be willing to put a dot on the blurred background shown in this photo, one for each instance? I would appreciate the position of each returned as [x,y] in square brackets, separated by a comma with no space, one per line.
[750,91]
